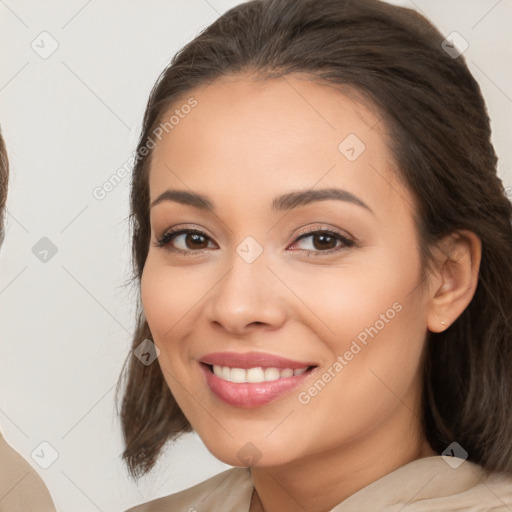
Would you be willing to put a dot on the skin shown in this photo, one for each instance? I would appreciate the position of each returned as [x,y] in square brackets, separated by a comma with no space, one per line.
[245,143]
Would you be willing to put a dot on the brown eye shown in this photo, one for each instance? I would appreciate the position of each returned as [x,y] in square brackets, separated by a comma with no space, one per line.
[322,241]
[184,240]
[195,241]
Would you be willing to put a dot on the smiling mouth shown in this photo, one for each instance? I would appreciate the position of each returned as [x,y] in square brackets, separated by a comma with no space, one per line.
[255,375]
[254,386]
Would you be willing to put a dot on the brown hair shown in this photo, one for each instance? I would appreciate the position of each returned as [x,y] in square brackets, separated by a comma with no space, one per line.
[4,179]
[440,138]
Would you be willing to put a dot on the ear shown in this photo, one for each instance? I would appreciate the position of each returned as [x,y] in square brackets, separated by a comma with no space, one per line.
[453,279]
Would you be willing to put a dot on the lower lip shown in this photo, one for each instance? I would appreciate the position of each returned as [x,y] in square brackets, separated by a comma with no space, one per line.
[248,395]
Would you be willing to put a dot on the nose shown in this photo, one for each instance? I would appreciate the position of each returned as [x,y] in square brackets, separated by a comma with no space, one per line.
[249,296]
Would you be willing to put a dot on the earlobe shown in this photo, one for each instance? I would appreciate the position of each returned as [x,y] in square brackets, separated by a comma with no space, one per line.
[454,279]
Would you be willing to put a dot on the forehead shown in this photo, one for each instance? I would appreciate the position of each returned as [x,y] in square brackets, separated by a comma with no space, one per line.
[255,136]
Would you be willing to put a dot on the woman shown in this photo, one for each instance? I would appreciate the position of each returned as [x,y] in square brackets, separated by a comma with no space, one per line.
[21,488]
[323,250]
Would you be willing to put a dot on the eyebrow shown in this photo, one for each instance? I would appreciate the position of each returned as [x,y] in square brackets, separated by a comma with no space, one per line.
[284,202]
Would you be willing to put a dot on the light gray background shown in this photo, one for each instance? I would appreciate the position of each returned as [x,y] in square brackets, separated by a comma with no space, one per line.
[71,121]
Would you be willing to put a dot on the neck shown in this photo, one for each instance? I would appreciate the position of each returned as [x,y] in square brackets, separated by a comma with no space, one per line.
[339,472]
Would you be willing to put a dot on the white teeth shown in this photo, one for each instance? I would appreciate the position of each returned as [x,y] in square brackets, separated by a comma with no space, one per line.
[254,374]
[237,375]
[257,374]
[271,374]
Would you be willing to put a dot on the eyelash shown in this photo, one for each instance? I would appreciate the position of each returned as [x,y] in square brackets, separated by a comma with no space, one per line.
[170,235]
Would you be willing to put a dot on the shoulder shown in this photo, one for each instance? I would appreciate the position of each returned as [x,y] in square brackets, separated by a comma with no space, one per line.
[434,483]
[449,484]
[234,484]
[21,488]
[495,489]
[470,486]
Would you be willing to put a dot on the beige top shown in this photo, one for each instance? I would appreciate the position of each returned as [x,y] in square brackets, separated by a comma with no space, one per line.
[21,488]
[424,485]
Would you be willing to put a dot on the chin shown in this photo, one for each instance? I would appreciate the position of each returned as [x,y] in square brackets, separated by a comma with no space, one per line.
[243,453]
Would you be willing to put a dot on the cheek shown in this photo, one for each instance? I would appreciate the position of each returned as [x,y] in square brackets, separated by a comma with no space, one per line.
[383,328]
[350,299]
[153,297]
[379,338]
[373,316]
[167,296]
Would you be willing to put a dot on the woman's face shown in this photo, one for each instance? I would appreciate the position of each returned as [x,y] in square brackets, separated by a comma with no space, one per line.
[323,287]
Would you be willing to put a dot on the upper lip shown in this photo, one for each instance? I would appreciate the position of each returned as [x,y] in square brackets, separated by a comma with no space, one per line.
[253,360]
